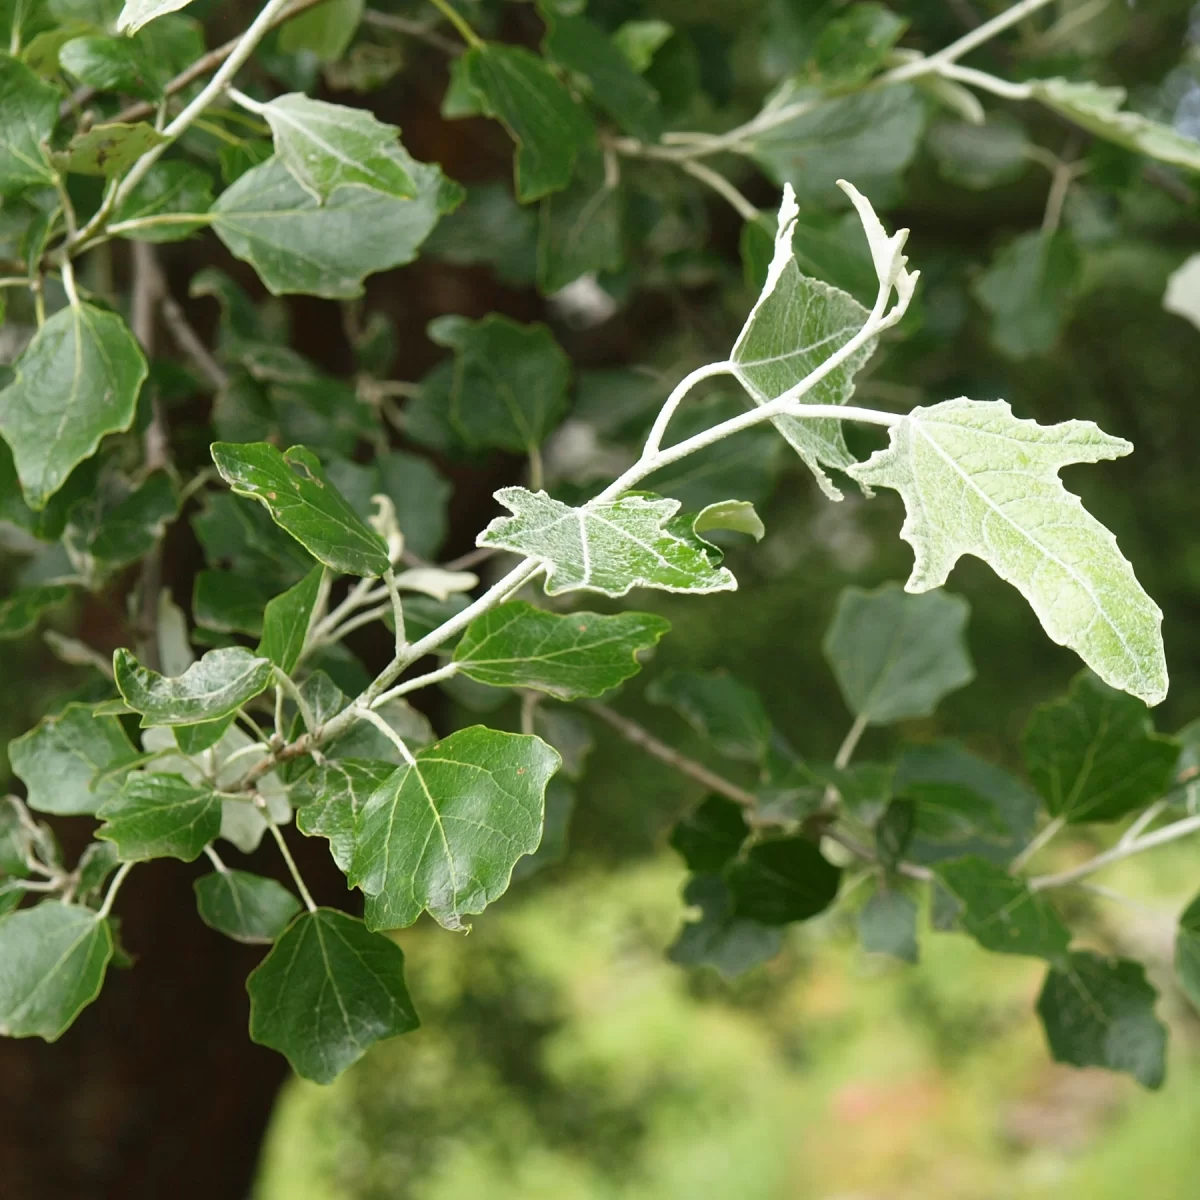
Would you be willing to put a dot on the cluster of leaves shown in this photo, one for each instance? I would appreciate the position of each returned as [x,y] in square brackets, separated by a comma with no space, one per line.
[118,130]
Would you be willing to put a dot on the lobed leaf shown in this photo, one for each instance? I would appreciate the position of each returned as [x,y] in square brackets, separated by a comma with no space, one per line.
[161,816]
[28,115]
[286,621]
[216,686]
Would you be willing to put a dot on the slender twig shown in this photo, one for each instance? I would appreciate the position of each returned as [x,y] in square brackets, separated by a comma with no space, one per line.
[1159,837]
[1145,820]
[190,342]
[907,869]
[413,29]
[471,559]
[850,743]
[1044,838]
[216,859]
[459,22]
[388,732]
[723,188]
[113,888]
[659,428]
[284,681]
[294,870]
[416,683]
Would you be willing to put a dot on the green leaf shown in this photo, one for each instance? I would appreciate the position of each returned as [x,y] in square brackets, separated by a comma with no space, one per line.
[852,47]
[21,611]
[1094,755]
[1187,952]
[1099,1012]
[581,46]
[569,734]
[979,156]
[52,964]
[110,65]
[77,380]
[580,230]
[1028,290]
[229,603]
[868,137]
[887,924]
[136,13]
[168,189]
[295,244]
[567,655]
[730,944]
[444,833]
[510,381]
[549,128]
[1098,110]
[710,836]
[293,488]
[782,880]
[607,548]
[286,621]
[119,533]
[161,816]
[1001,913]
[109,149]
[491,228]
[327,992]
[71,763]
[326,146]
[640,40]
[330,798]
[560,805]
[216,686]
[727,714]
[796,325]
[248,908]
[976,480]
[325,31]
[96,863]
[28,115]
[896,655]
[894,832]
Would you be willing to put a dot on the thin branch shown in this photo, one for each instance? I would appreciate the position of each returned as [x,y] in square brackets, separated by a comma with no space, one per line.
[723,188]
[388,732]
[1159,837]
[850,743]
[215,859]
[416,683]
[294,870]
[1044,838]
[659,428]
[113,888]
[908,870]
[190,342]
[459,22]
[413,29]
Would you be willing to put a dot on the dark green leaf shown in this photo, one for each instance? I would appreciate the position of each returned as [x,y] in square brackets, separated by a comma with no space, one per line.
[731,945]
[1099,1012]
[567,655]
[286,621]
[169,189]
[896,655]
[489,227]
[20,612]
[330,798]
[119,531]
[110,65]
[72,762]
[293,488]
[444,833]
[52,963]
[1094,755]
[727,714]
[194,739]
[580,230]
[109,149]
[1187,952]
[28,115]
[1000,912]
[216,686]
[979,156]
[161,816]
[782,880]
[76,381]
[325,31]
[894,831]
[852,47]
[328,990]
[229,602]
[245,907]
[887,924]
[710,836]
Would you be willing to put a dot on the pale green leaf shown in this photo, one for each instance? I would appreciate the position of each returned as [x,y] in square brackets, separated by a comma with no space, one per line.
[1094,755]
[293,488]
[444,833]
[161,816]
[330,798]
[887,924]
[568,655]
[28,115]
[71,763]
[52,964]
[109,149]
[852,47]
[1099,1012]
[1182,296]
[328,145]
[216,686]
[640,40]
[248,908]
[77,380]
[727,714]
[976,480]
[608,548]
[136,13]
[286,621]
[896,655]
[111,64]
[327,992]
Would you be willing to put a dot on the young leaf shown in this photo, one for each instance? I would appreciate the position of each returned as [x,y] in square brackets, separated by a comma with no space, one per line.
[169,189]
[248,908]
[549,128]
[71,763]
[727,714]
[293,488]
[76,381]
[782,880]
[976,480]
[567,655]
[161,816]
[608,548]
[216,686]
[1000,912]
[330,798]
[328,145]
[110,64]
[20,612]
[730,944]
[896,655]
[28,115]
[710,836]
[1094,755]
[510,381]
[136,13]
[887,924]
[52,964]
[295,244]
[286,621]
[328,990]
[1098,110]
[1099,1012]
[444,833]
[797,324]
[109,149]
[1187,952]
